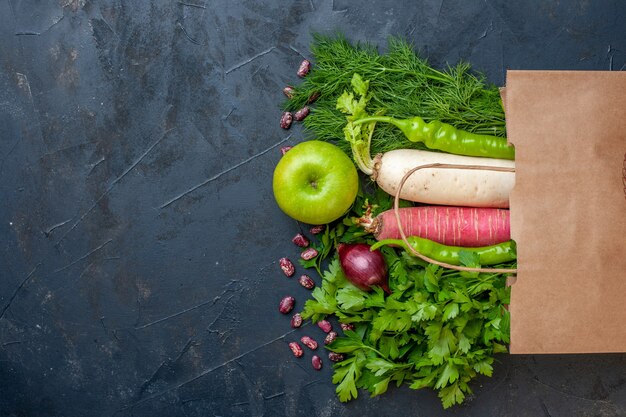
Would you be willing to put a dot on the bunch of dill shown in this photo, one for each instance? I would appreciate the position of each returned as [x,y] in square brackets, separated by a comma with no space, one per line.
[402,84]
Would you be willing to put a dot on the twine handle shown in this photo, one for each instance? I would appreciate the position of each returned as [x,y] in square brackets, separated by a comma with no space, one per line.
[396,206]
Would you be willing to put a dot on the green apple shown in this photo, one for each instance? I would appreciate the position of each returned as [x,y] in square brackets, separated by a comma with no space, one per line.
[315,182]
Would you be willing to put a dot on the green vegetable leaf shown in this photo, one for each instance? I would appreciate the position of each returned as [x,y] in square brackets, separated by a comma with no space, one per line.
[347,104]
[350,342]
[450,311]
[426,381]
[484,367]
[432,274]
[381,386]
[425,311]
[402,83]
[451,395]
[464,343]
[499,348]
[449,374]
[392,320]
[389,346]
[469,259]
[359,85]
[375,298]
[380,366]
[324,301]
[346,374]
[442,343]
[351,298]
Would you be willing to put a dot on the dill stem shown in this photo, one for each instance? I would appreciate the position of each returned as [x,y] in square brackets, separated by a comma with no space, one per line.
[441,77]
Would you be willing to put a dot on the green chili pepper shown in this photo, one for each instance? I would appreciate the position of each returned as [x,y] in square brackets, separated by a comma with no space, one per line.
[447,138]
[488,255]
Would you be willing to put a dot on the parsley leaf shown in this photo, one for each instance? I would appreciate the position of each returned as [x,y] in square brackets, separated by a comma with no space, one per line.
[346,374]
[351,298]
[451,395]
[438,329]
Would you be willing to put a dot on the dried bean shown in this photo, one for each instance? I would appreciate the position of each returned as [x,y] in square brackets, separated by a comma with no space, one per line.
[300,240]
[330,338]
[317,229]
[288,91]
[308,342]
[335,357]
[287,266]
[307,282]
[285,120]
[325,326]
[316,361]
[296,349]
[309,253]
[296,320]
[301,114]
[286,304]
[345,326]
[305,67]
[313,98]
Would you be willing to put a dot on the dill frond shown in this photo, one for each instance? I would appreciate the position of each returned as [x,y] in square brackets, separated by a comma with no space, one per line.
[402,84]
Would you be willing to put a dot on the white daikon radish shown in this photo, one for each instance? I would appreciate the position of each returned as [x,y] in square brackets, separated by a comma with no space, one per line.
[472,187]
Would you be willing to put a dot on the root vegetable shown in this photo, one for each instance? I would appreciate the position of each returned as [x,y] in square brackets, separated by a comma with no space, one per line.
[471,187]
[362,266]
[443,178]
[456,226]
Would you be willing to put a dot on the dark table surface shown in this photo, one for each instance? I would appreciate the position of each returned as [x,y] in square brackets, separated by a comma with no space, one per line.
[139,235]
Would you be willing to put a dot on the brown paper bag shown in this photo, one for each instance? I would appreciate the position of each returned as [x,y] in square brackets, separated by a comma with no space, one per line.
[568,210]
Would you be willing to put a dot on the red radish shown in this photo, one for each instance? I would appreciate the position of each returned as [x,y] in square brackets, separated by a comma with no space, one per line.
[454,226]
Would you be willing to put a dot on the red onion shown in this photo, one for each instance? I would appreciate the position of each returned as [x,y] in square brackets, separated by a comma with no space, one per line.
[362,266]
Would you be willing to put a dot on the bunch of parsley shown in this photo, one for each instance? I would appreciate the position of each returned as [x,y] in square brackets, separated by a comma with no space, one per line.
[438,329]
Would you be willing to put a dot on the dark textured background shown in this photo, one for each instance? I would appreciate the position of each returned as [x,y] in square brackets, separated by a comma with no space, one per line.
[139,235]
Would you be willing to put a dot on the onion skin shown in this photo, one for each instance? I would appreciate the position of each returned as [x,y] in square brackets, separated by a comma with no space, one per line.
[362,266]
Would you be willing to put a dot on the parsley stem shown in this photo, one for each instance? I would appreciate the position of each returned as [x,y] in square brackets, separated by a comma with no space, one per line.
[373,350]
